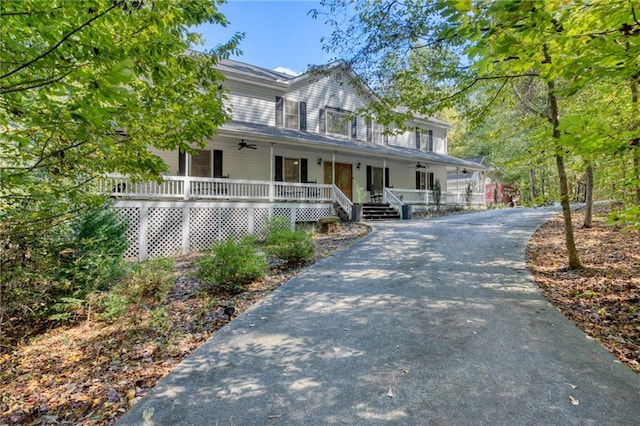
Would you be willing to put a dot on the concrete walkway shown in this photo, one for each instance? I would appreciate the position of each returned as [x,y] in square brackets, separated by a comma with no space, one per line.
[425,322]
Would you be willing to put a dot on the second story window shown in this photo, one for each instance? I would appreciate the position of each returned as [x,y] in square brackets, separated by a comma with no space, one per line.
[418,139]
[291,114]
[430,141]
[337,122]
[375,132]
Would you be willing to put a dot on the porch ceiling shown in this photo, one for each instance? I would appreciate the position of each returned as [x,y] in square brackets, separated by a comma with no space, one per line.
[270,134]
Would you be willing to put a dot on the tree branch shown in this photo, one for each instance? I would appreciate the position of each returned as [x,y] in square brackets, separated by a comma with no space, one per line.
[59,43]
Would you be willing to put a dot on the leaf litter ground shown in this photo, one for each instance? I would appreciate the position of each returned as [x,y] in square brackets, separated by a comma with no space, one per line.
[602,298]
[91,372]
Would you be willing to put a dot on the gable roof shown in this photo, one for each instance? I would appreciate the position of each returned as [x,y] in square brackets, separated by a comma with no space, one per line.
[243,71]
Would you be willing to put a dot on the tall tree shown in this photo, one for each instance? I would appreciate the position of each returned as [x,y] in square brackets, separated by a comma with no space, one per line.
[86,87]
[497,43]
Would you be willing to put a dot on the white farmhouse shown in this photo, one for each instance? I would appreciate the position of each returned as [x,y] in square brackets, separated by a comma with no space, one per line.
[295,148]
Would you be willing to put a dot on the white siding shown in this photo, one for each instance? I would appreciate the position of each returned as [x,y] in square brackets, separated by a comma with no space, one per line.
[251,104]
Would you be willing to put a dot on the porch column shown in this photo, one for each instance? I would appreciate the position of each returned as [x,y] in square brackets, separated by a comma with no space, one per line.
[271,186]
[333,167]
[457,186]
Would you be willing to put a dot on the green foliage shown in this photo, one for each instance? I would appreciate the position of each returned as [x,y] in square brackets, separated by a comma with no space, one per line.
[437,194]
[291,246]
[110,306]
[468,194]
[148,282]
[231,265]
[53,276]
[92,259]
[89,87]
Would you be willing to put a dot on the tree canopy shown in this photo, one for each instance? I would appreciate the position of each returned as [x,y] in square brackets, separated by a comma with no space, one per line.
[539,63]
[86,87]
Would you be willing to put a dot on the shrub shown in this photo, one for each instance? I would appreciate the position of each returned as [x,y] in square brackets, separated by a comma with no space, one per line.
[231,265]
[148,282]
[289,245]
[87,257]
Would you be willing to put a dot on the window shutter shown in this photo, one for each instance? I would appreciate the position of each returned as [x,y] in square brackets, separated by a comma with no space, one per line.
[387,184]
[182,163]
[354,128]
[386,139]
[278,174]
[303,116]
[431,181]
[279,111]
[417,138]
[303,170]
[430,140]
[418,180]
[323,121]
[369,178]
[217,163]
[369,130]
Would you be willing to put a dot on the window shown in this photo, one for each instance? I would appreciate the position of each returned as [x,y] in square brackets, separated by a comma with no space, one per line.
[291,114]
[201,163]
[377,178]
[377,133]
[291,170]
[374,132]
[421,180]
[430,141]
[418,138]
[337,122]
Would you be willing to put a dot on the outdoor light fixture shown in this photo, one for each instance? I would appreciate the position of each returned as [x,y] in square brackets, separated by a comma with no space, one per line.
[319,161]
[464,171]
[358,165]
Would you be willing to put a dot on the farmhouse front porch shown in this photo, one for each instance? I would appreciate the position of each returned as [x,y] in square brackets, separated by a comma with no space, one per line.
[183,214]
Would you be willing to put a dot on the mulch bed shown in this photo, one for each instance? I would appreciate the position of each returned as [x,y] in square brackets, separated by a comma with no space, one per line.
[91,372]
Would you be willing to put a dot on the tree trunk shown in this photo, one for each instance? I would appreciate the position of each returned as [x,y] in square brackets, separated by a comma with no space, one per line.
[572,252]
[588,195]
[635,143]
[532,184]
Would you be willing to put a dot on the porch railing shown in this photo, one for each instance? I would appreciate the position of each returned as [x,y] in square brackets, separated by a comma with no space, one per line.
[426,197]
[197,188]
[389,197]
[223,189]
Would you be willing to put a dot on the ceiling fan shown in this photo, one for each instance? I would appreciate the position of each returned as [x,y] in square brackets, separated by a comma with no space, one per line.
[243,144]
[419,166]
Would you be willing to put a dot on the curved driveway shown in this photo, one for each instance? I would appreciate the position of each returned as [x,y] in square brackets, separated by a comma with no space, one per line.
[425,322]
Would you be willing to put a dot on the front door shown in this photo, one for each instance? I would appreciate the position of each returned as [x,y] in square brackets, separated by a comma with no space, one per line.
[343,177]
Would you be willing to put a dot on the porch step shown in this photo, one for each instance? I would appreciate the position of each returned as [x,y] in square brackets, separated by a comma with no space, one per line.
[372,211]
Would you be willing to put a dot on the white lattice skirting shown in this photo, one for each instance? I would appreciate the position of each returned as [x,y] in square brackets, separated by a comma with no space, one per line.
[165,229]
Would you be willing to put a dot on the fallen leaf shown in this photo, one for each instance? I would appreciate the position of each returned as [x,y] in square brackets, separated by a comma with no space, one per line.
[573,386]
[391,393]
[573,400]
[148,413]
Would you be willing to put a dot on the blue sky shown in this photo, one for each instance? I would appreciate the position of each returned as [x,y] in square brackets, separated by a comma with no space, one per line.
[279,34]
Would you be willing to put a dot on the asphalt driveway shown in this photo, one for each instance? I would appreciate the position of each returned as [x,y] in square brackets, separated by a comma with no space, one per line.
[425,322]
